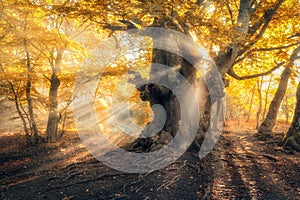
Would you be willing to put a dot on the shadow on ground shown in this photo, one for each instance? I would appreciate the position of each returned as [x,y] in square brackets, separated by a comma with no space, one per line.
[240,167]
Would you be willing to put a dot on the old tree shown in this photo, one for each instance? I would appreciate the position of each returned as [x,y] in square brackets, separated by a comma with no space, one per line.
[243,34]
[246,39]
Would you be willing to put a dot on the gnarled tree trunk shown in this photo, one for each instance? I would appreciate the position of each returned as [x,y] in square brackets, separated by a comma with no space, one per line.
[225,61]
[156,92]
[292,137]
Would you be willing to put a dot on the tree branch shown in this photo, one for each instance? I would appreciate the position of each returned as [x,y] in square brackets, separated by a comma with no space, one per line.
[232,73]
[230,13]
[199,2]
[46,77]
[256,26]
[295,35]
[265,49]
[276,48]
[267,18]
[129,24]
[295,55]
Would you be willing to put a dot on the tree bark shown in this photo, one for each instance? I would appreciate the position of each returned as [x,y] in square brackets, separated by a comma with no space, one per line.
[251,103]
[287,111]
[158,93]
[225,59]
[18,105]
[28,94]
[258,113]
[292,137]
[266,98]
[53,117]
[16,99]
[267,125]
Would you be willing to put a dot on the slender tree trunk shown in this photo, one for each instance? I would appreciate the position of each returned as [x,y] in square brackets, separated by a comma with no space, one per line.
[266,98]
[259,88]
[64,117]
[26,114]
[251,102]
[53,117]
[28,94]
[267,126]
[19,108]
[16,99]
[287,111]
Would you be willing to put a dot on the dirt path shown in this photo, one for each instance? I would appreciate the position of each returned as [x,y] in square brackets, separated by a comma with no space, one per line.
[240,167]
[247,169]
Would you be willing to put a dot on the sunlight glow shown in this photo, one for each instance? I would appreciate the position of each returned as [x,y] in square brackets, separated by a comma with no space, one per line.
[211,8]
[216,48]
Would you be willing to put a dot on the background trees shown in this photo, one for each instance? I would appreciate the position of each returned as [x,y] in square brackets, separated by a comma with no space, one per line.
[33,41]
[269,122]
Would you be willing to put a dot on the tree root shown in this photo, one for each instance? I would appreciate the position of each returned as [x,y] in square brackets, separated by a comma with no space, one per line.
[293,142]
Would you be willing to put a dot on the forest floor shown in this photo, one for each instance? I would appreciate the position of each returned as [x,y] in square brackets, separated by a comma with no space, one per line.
[239,167]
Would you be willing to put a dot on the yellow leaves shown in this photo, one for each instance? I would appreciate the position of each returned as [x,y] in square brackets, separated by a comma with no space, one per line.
[77,27]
